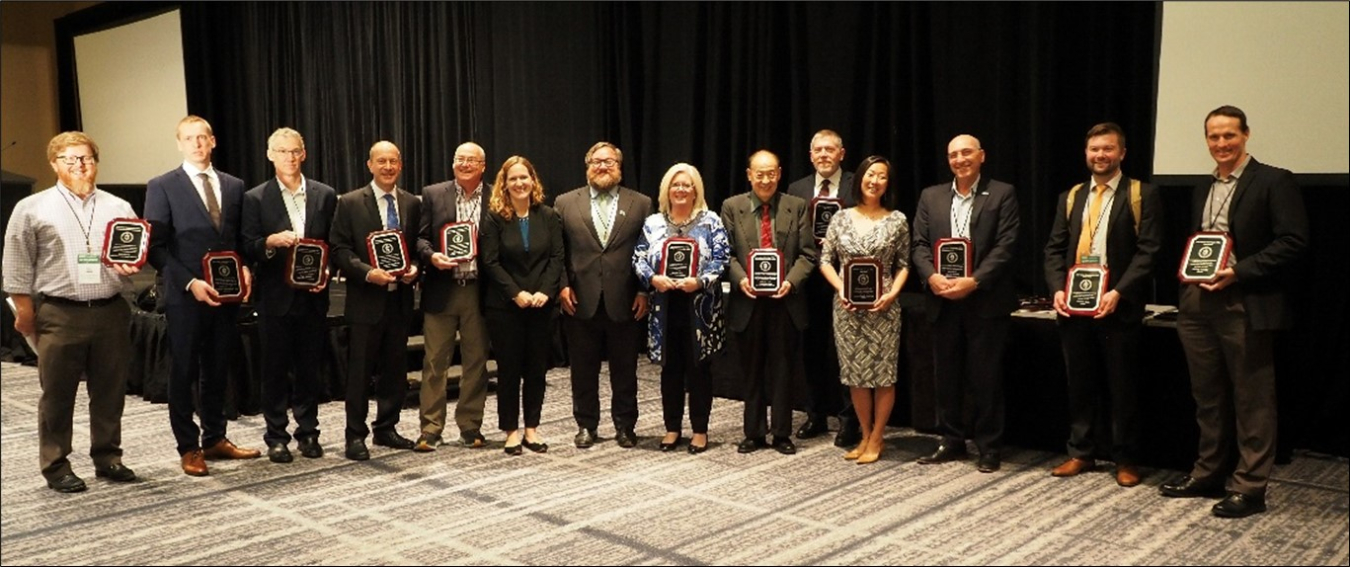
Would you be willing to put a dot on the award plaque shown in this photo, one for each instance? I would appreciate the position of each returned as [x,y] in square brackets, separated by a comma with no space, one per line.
[1206,253]
[459,241]
[126,241]
[679,258]
[1084,289]
[766,271]
[307,264]
[951,257]
[224,271]
[388,251]
[862,281]
[822,210]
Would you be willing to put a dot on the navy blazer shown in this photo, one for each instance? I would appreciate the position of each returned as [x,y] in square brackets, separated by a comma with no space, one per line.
[181,227]
[438,209]
[994,223]
[265,214]
[356,217]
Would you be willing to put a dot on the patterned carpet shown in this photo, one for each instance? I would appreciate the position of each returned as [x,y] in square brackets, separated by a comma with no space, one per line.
[607,505]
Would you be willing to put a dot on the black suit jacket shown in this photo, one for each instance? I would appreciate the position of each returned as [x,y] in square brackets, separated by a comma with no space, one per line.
[357,216]
[509,269]
[1269,227]
[593,268]
[265,214]
[994,222]
[805,188]
[182,231]
[1129,257]
[438,206]
[792,236]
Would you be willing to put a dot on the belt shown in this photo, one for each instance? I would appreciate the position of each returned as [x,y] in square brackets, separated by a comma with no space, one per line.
[467,281]
[78,303]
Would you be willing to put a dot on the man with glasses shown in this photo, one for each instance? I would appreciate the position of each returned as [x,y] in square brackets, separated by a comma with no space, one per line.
[81,321]
[600,293]
[452,303]
[970,307]
[293,322]
[194,209]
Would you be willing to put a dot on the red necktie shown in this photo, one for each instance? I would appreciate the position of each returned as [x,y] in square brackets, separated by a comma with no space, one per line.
[765,228]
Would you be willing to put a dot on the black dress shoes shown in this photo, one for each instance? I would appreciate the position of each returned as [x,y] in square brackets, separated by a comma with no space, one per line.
[278,453]
[356,450]
[116,473]
[393,440]
[988,463]
[513,450]
[696,449]
[1189,487]
[850,435]
[750,445]
[626,438]
[784,445]
[671,446]
[1239,505]
[585,438]
[310,447]
[67,483]
[944,454]
[539,447]
[815,425]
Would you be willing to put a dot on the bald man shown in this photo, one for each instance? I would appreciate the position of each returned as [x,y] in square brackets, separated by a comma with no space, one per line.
[379,304]
[970,312]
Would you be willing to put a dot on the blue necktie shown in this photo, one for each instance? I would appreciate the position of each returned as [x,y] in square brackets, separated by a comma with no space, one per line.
[390,213]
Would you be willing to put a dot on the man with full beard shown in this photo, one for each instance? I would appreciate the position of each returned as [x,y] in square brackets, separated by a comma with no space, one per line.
[600,293]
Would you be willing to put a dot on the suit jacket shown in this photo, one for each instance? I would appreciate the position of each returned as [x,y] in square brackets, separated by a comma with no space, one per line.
[357,216]
[793,237]
[438,206]
[1129,257]
[265,213]
[182,231]
[805,188]
[592,268]
[509,269]
[1269,227]
[994,221]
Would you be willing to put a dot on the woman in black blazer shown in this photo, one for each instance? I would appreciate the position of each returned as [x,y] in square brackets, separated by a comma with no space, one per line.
[522,255]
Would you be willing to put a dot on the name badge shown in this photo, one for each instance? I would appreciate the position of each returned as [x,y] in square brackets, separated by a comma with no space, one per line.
[89,269]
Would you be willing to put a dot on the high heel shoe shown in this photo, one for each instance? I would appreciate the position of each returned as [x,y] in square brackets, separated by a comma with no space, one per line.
[871,456]
[668,447]
[696,449]
[856,452]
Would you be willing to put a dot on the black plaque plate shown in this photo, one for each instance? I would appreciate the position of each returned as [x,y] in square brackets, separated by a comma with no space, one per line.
[823,210]
[766,271]
[679,258]
[388,251]
[951,257]
[307,264]
[126,241]
[224,271]
[1205,255]
[1084,289]
[862,281]
[459,241]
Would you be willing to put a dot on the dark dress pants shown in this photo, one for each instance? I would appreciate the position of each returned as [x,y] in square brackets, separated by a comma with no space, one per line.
[1101,357]
[293,342]
[588,342]
[681,369]
[769,348]
[968,360]
[521,339]
[201,340]
[380,349]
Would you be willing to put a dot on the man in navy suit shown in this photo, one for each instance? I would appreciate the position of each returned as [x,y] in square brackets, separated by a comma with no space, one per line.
[970,314]
[195,209]
[277,214]
[1227,327]
[379,303]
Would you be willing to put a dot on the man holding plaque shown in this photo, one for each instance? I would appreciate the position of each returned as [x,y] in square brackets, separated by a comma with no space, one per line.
[601,296]
[285,231]
[81,321]
[971,300]
[828,190]
[1227,325]
[452,299]
[372,230]
[1110,225]
[768,324]
[195,211]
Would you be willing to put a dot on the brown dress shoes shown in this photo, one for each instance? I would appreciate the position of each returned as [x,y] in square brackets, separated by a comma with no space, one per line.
[1073,467]
[224,449]
[1127,475]
[194,464]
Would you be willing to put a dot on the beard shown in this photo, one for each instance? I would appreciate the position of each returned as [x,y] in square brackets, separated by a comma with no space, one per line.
[603,181]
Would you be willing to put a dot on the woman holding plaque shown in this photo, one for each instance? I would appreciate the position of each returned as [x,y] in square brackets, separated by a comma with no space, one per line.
[521,246]
[681,256]
[865,256]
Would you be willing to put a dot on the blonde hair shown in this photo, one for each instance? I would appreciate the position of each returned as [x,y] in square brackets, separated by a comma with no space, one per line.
[70,139]
[663,200]
[191,118]
[500,201]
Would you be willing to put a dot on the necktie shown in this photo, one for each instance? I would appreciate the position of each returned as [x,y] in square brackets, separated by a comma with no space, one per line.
[825,188]
[212,205]
[602,205]
[1090,227]
[390,213]
[765,228]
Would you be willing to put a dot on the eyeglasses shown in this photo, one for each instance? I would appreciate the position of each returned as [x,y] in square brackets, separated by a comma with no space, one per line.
[764,175]
[461,160]
[293,153]
[681,185]
[604,162]
[963,153]
[75,160]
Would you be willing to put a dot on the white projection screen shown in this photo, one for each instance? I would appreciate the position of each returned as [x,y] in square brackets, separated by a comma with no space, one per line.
[1283,63]
[132,95]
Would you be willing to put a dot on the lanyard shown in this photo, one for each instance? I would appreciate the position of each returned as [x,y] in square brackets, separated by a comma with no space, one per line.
[86,230]
[1214,212]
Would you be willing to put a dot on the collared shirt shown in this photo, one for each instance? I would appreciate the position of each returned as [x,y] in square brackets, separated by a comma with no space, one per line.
[468,207]
[1103,221]
[295,205]
[1221,192]
[962,207]
[46,235]
[194,175]
[606,216]
[384,205]
[834,184]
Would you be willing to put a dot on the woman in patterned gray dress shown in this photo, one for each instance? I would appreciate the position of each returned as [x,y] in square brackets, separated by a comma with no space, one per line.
[868,338]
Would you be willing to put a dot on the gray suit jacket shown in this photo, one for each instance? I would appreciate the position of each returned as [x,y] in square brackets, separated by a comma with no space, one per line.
[595,269]
[994,223]
[793,237]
